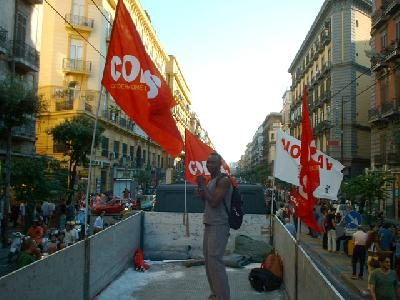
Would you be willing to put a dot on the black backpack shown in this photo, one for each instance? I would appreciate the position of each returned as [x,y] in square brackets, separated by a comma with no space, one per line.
[263,280]
[236,213]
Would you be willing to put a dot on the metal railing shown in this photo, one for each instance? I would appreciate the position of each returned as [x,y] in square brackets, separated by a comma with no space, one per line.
[79,20]
[77,65]
[25,52]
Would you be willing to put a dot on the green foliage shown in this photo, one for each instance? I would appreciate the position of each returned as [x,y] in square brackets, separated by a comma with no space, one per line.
[76,137]
[366,190]
[39,178]
[258,174]
[17,103]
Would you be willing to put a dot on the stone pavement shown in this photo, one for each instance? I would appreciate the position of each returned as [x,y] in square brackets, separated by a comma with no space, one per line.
[337,267]
[171,280]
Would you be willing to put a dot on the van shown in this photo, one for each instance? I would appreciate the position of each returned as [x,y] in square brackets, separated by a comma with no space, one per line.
[171,198]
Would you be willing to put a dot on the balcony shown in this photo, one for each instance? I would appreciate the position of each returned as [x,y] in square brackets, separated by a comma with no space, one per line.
[78,66]
[393,51]
[326,66]
[79,22]
[33,2]
[393,158]
[377,64]
[389,108]
[26,57]
[374,114]
[115,118]
[392,7]
[378,17]
[25,132]
[3,40]
[325,38]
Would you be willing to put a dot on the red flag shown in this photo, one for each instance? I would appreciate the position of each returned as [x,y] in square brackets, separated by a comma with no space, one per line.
[196,154]
[137,86]
[309,171]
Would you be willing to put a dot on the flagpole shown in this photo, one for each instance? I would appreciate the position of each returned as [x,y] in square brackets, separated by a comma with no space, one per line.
[185,214]
[271,223]
[91,157]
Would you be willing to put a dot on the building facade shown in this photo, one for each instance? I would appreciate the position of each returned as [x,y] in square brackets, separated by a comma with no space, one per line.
[70,83]
[19,59]
[384,114]
[332,62]
[271,124]
[285,112]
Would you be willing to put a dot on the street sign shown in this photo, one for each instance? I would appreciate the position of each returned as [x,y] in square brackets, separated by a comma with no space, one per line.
[352,219]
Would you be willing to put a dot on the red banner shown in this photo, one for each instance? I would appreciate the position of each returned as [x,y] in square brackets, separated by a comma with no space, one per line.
[309,172]
[137,86]
[196,154]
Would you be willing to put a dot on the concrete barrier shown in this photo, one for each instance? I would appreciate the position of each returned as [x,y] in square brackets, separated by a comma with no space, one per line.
[79,271]
[167,237]
[302,278]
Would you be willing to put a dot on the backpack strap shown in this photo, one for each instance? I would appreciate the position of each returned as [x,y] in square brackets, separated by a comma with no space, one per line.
[218,179]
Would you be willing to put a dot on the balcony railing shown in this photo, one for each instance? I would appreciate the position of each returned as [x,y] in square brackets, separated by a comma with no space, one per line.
[24,132]
[80,21]
[373,114]
[71,65]
[392,6]
[378,17]
[3,40]
[389,107]
[24,55]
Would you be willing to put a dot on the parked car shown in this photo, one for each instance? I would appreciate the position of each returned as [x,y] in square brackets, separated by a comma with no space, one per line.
[114,206]
[147,202]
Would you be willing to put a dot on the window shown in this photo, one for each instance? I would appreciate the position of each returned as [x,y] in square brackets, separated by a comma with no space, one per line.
[383,39]
[356,23]
[384,88]
[124,150]
[20,27]
[116,149]
[158,161]
[104,146]
[59,147]
[144,156]
[76,49]
[398,30]
[78,8]
[132,152]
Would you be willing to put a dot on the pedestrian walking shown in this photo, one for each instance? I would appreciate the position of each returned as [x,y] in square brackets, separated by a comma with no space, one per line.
[331,230]
[216,225]
[383,283]
[359,252]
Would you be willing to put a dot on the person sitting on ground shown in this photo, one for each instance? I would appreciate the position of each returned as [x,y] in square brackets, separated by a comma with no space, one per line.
[383,283]
[290,227]
[30,253]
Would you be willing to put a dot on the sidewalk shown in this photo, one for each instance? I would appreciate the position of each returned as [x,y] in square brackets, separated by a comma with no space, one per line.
[338,265]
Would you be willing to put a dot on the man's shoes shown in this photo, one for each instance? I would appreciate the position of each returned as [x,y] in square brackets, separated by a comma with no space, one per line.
[354,277]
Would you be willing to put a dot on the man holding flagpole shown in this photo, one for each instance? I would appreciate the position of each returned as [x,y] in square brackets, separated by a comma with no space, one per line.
[216,225]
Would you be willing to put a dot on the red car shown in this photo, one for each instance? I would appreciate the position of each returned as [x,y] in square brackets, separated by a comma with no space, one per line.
[114,206]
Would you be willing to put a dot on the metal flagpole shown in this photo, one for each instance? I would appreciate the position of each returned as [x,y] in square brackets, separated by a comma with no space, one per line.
[185,214]
[271,223]
[91,156]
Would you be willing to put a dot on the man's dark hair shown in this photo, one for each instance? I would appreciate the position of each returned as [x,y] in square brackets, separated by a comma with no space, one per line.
[217,155]
[27,244]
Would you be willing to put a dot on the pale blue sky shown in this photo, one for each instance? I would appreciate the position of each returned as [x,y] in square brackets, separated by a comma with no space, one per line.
[234,55]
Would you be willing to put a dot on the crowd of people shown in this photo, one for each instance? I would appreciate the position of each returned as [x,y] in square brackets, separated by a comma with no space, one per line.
[374,248]
[49,227]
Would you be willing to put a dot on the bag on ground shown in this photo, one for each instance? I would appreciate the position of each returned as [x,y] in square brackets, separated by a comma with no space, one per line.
[263,280]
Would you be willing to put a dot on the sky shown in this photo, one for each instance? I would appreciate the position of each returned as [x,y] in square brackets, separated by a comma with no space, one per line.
[234,56]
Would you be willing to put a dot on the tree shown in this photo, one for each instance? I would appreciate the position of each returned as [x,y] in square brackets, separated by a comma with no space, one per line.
[18,105]
[366,190]
[75,136]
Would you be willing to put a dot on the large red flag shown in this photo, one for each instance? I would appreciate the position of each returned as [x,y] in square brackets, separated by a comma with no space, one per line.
[304,201]
[196,154]
[137,86]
